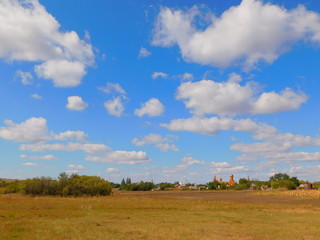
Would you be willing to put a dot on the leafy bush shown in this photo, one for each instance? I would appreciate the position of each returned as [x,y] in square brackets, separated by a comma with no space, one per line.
[166,186]
[242,186]
[15,187]
[41,186]
[282,180]
[214,185]
[141,186]
[73,185]
[85,185]
[283,184]
[243,181]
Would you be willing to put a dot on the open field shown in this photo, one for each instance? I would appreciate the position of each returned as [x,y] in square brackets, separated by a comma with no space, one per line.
[160,215]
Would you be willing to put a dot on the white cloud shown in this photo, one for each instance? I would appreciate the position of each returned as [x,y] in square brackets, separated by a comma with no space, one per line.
[191,161]
[63,73]
[76,103]
[231,98]
[115,106]
[144,53]
[296,156]
[165,147]
[266,32]
[75,167]
[186,77]
[212,126]
[157,140]
[278,147]
[72,171]
[28,164]
[293,139]
[44,157]
[25,77]
[63,56]
[31,130]
[263,147]
[219,164]
[187,162]
[121,157]
[36,130]
[36,96]
[70,147]
[303,172]
[71,135]
[156,75]
[112,170]
[151,108]
[114,88]
[230,170]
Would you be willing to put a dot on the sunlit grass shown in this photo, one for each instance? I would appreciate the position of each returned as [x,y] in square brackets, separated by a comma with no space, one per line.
[292,193]
[139,217]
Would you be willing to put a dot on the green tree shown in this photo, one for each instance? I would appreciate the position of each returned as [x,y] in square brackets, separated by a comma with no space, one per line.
[295,180]
[283,184]
[279,176]
[128,181]
[123,182]
[243,181]
[213,185]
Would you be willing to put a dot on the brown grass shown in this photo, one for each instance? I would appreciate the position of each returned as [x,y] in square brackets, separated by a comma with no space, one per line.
[293,193]
[157,216]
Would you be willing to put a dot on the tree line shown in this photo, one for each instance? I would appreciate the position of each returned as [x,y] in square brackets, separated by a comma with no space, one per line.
[76,185]
[73,185]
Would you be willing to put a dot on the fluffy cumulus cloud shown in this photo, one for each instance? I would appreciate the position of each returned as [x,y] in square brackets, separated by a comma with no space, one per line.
[44,157]
[63,56]
[75,103]
[63,73]
[232,98]
[163,143]
[31,130]
[90,148]
[121,157]
[246,34]
[115,106]
[36,130]
[143,53]
[112,88]
[151,108]
[212,126]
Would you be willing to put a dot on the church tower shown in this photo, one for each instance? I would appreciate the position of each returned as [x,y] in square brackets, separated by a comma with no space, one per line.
[231,181]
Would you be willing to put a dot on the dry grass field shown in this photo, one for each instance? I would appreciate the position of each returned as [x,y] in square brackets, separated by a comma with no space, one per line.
[160,215]
[299,193]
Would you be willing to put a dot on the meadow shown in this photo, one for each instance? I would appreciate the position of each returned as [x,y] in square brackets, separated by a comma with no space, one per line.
[161,215]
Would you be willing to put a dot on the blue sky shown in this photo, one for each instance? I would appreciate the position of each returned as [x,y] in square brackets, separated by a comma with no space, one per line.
[160,90]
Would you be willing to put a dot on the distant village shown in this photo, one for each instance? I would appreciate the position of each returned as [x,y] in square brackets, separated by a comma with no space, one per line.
[78,185]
